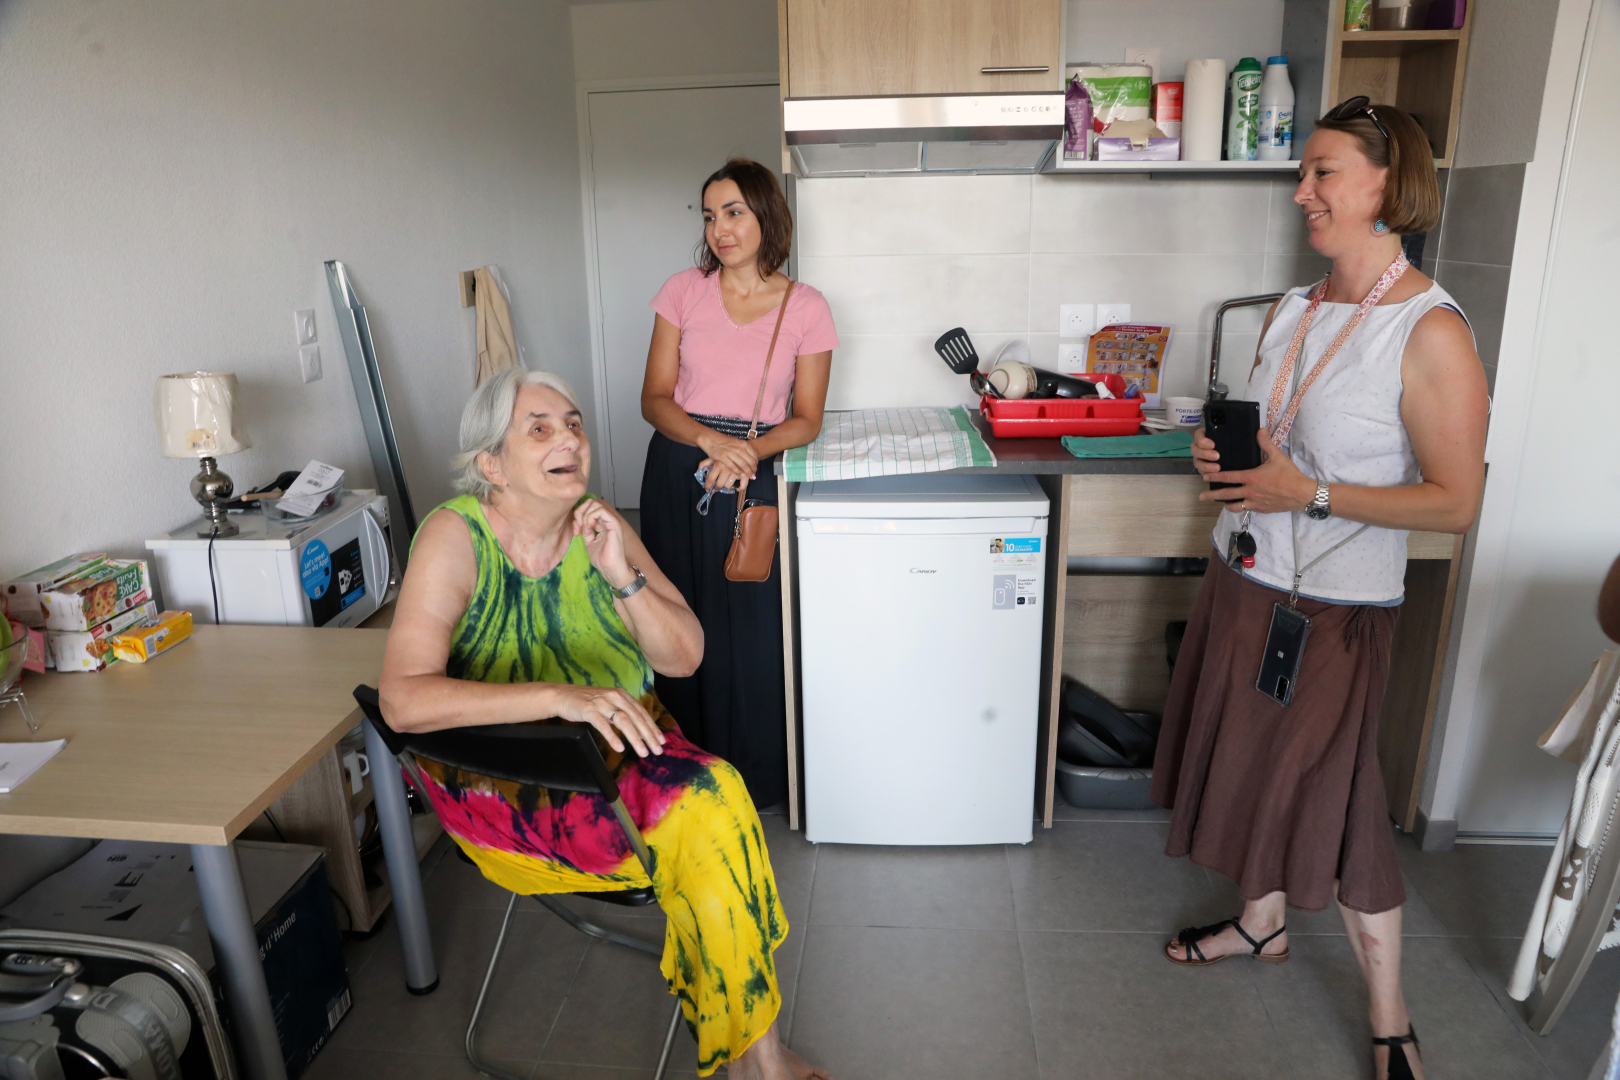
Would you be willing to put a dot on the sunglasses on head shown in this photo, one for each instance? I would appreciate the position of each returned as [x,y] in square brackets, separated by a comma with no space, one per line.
[1360,105]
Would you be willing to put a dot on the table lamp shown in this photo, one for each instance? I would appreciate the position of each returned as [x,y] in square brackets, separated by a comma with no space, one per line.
[195,414]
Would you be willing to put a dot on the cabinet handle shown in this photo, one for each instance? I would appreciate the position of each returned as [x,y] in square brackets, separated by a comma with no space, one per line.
[1040,69]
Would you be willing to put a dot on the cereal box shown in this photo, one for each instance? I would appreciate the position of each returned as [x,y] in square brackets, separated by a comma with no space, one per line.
[152,637]
[93,598]
[91,650]
[1135,352]
[21,596]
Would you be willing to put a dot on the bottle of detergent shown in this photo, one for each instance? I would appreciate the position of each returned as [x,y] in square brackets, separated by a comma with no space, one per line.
[1276,112]
[1243,125]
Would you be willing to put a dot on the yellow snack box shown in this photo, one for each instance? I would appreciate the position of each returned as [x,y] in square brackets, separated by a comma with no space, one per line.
[165,631]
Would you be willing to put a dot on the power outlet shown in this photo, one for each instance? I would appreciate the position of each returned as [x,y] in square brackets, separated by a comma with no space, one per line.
[309,362]
[1113,314]
[1071,359]
[1077,320]
[1144,54]
[304,323]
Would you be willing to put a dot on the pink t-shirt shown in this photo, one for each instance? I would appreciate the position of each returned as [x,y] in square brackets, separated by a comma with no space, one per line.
[721,362]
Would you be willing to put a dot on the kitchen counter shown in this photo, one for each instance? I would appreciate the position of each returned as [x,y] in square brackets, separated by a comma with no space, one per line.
[1046,457]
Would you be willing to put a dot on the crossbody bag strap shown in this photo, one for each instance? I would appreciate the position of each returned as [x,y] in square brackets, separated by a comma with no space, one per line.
[759,399]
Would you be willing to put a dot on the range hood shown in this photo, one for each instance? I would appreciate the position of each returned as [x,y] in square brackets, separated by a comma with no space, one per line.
[959,133]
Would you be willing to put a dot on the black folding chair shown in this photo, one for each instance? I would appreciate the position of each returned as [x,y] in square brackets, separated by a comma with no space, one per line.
[562,757]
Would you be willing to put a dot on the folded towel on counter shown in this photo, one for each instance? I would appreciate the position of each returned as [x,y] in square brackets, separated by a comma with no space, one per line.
[886,442]
[1166,444]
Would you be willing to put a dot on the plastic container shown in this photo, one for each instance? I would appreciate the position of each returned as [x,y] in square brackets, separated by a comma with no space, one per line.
[1091,787]
[1358,14]
[1276,132]
[1051,418]
[1243,122]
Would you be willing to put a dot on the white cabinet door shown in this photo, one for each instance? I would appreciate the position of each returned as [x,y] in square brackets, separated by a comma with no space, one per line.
[650,150]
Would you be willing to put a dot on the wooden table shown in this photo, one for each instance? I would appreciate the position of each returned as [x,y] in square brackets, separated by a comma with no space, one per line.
[191,747]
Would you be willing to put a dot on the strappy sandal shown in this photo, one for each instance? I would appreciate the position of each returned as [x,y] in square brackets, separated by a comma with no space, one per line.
[1395,1042]
[1189,938]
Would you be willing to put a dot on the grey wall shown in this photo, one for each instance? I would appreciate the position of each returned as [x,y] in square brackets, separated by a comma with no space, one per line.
[1508,47]
[174,174]
[644,39]
[1474,255]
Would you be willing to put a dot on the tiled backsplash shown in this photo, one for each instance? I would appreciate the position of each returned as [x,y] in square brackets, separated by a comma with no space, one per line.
[1475,252]
[903,259]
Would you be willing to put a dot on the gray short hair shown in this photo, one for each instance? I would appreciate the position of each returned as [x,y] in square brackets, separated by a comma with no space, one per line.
[488,415]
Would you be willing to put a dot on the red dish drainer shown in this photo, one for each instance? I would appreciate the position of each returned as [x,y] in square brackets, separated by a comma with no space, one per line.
[1050,418]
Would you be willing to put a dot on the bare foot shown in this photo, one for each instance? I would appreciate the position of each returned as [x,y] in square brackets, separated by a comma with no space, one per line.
[768,1059]
[1229,942]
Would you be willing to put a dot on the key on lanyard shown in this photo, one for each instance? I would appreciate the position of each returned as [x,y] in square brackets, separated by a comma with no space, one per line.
[1241,548]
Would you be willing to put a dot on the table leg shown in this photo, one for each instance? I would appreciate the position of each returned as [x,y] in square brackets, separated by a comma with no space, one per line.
[404,873]
[236,948]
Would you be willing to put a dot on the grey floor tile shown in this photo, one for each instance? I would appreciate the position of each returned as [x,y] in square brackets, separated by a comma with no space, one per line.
[885,1003]
[793,861]
[542,954]
[616,1013]
[1062,811]
[335,1063]
[942,887]
[1317,1004]
[456,883]
[1477,890]
[1110,1006]
[1109,876]
[789,962]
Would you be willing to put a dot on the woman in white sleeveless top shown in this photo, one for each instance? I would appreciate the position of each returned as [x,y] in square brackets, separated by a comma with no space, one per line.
[1373,424]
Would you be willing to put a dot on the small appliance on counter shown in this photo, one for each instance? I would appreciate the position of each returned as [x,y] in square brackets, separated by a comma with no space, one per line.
[920,633]
[332,569]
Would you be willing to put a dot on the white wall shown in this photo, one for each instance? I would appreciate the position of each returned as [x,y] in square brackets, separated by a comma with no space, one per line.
[1550,523]
[644,39]
[904,259]
[175,173]
[1100,30]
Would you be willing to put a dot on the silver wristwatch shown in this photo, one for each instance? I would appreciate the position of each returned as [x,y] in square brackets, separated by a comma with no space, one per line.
[634,587]
[1318,507]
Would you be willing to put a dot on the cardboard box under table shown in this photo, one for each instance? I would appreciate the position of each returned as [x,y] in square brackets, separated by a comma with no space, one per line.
[146,892]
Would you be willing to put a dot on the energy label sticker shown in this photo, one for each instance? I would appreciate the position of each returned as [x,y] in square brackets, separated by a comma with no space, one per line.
[1015,551]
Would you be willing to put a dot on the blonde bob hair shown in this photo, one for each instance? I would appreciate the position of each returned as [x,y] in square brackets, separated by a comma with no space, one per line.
[488,416]
[1412,189]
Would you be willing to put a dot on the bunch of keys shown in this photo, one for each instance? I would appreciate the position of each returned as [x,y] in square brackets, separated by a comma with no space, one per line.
[1241,547]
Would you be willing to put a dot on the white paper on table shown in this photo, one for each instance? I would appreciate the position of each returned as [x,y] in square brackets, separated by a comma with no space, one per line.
[307,493]
[20,760]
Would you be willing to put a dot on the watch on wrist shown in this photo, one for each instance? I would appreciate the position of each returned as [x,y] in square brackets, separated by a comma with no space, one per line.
[1318,508]
[634,587]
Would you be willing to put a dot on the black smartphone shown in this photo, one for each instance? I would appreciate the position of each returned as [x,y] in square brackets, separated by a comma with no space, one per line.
[1285,648]
[1233,426]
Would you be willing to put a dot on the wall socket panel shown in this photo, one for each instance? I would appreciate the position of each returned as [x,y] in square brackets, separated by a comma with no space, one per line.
[309,362]
[304,323]
[1077,320]
[1113,314]
[1071,359]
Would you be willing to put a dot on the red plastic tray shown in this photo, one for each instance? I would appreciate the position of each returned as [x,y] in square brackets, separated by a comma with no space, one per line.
[1049,418]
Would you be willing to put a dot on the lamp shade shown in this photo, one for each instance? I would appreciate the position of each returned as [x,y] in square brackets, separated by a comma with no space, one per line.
[195,415]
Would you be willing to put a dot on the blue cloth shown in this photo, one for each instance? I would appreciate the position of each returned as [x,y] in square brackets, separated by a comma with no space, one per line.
[1164,444]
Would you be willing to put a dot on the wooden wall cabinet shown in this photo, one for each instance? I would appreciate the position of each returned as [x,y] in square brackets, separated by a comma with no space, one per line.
[856,48]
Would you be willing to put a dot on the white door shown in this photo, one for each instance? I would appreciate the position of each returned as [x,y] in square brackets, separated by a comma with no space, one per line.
[650,151]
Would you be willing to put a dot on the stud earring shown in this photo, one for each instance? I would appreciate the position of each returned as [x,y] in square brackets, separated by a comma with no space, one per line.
[1380,227]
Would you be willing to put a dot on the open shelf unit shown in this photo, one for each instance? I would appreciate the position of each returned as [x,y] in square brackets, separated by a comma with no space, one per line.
[1420,71]
[1186,167]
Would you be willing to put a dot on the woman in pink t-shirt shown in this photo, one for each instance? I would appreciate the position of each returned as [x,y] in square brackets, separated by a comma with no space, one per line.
[711,333]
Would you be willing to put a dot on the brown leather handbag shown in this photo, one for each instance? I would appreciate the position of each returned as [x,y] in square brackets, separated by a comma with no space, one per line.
[754,532]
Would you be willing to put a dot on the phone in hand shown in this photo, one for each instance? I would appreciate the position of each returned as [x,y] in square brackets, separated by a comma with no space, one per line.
[1233,426]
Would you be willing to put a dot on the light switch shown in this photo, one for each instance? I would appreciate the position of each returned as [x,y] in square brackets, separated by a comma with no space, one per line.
[1144,54]
[1112,315]
[304,322]
[309,362]
[1071,359]
[1077,320]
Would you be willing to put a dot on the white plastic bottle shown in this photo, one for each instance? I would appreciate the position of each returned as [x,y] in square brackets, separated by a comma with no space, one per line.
[1276,112]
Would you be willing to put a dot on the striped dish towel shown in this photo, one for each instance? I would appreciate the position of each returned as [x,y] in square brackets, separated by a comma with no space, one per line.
[887,442]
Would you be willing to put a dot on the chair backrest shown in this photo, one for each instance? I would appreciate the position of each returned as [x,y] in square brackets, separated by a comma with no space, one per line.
[560,756]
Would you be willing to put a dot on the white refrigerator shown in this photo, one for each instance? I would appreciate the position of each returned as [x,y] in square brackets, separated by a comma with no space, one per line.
[920,607]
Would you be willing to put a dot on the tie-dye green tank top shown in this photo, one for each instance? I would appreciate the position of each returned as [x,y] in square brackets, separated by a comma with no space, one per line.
[560,628]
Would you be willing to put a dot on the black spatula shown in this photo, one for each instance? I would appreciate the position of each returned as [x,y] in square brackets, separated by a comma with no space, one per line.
[956,349]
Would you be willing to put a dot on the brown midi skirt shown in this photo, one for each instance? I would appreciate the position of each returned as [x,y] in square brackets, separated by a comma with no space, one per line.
[1277,797]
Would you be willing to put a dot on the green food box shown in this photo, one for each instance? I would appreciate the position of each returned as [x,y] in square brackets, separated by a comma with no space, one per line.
[93,598]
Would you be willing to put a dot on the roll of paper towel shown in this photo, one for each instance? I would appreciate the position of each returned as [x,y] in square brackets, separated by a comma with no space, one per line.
[1203,101]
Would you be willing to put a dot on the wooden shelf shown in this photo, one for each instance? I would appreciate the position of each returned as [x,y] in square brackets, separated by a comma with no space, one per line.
[1346,37]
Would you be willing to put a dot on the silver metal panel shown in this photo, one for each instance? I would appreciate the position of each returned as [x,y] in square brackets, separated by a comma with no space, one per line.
[1001,155]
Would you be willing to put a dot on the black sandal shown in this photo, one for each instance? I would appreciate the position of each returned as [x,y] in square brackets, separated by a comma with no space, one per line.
[1189,938]
[1395,1042]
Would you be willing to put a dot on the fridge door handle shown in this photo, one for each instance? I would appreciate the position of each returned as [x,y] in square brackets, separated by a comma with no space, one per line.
[377,541]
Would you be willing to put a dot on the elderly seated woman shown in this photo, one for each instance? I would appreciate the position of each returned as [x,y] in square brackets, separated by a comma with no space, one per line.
[527,598]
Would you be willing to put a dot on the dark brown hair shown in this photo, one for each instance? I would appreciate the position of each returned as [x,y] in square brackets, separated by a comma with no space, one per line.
[764,197]
[1412,189]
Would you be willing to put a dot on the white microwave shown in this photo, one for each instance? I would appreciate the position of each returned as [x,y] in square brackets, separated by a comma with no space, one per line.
[330,570]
